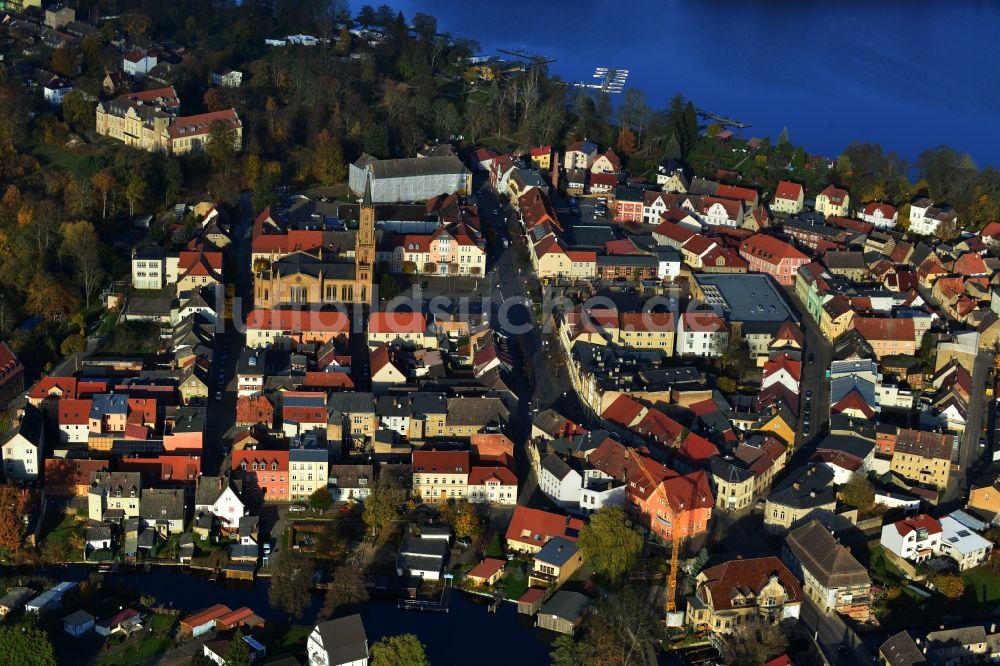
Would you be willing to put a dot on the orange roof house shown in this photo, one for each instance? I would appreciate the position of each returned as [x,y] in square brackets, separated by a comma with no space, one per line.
[887,336]
[251,410]
[487,572]
[767,254]
[530,529]
[686,512]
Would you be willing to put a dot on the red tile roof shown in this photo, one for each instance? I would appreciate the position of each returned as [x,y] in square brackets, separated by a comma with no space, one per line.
[74,412]
[487,568]
[702,321]
[744,194]
[256,409]
[888,211]
[202,123]
[770,250]
[64,387]
[442,462]
[397,322]
[873,328]
[788,190]
[534,526]
[328,380]
[991,230]
[724,582]
[834,194]
[688,492]
[299,320]
[480,474]
[205,616]
[622,411]
[923,521]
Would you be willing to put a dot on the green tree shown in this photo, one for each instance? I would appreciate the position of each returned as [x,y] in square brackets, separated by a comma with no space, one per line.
[221,146]
[26,645]
[951,586]
[135,191]
[858,492]
[570,651]
[173,181]
[78,112]
[783,137]
[328,160]
[321,500]
[672,150]
[73,344]
[382,506]
[461,516]
[610,543]
[347,589]
[238,652]
[401,650]
[377,141]
[82,244]
[291,577]
[388,288]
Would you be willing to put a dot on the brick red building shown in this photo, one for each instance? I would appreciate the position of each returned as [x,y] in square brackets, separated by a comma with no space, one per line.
[264,474]
[767,254]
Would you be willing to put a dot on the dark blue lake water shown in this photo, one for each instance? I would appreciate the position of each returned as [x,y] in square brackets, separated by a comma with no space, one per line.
[909,74]
[468,632]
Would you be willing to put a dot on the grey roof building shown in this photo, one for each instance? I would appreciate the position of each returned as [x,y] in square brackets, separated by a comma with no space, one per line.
[901,650]
[338,642]
[743,296]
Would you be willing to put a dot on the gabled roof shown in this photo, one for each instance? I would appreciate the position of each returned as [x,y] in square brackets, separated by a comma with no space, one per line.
[726,582]
[770,250]
[788,190]
[921,522]
[872,328]
[826,560]
[441,462]
[397,322]
[834,194]
[534,526]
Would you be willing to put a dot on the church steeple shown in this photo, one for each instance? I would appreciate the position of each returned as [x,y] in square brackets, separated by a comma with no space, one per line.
[366,201]
[364,247]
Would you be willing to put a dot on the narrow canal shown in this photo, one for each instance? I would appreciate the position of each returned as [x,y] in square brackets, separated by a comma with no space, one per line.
[467,632]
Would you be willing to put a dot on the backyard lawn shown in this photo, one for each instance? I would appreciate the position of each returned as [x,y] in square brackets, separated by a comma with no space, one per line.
[155,640]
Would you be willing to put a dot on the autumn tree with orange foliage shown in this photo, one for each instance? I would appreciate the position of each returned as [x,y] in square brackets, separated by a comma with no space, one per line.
[104,181]
[13,505]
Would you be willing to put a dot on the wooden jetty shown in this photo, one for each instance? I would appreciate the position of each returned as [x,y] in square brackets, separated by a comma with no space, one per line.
[722,120]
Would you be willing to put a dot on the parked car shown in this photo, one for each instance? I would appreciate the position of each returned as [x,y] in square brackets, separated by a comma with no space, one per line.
[296,508]
[464,542]
[805,430]
[218,395]
[346,508]
[812,358]
[809,395]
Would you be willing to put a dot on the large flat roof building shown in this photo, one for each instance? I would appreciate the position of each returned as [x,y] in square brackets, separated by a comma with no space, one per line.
[410,179]
[743,297]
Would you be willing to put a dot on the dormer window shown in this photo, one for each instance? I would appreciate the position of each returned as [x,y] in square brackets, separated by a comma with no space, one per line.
[243,465]
[274,466]
[254,466]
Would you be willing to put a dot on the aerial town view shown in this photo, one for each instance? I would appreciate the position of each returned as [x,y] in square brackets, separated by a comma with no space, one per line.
[498,334]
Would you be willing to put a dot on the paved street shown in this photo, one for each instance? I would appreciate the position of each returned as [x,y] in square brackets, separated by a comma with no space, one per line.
[221,414]
[970,453]
[547,384]
[813,375]
[839,643]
